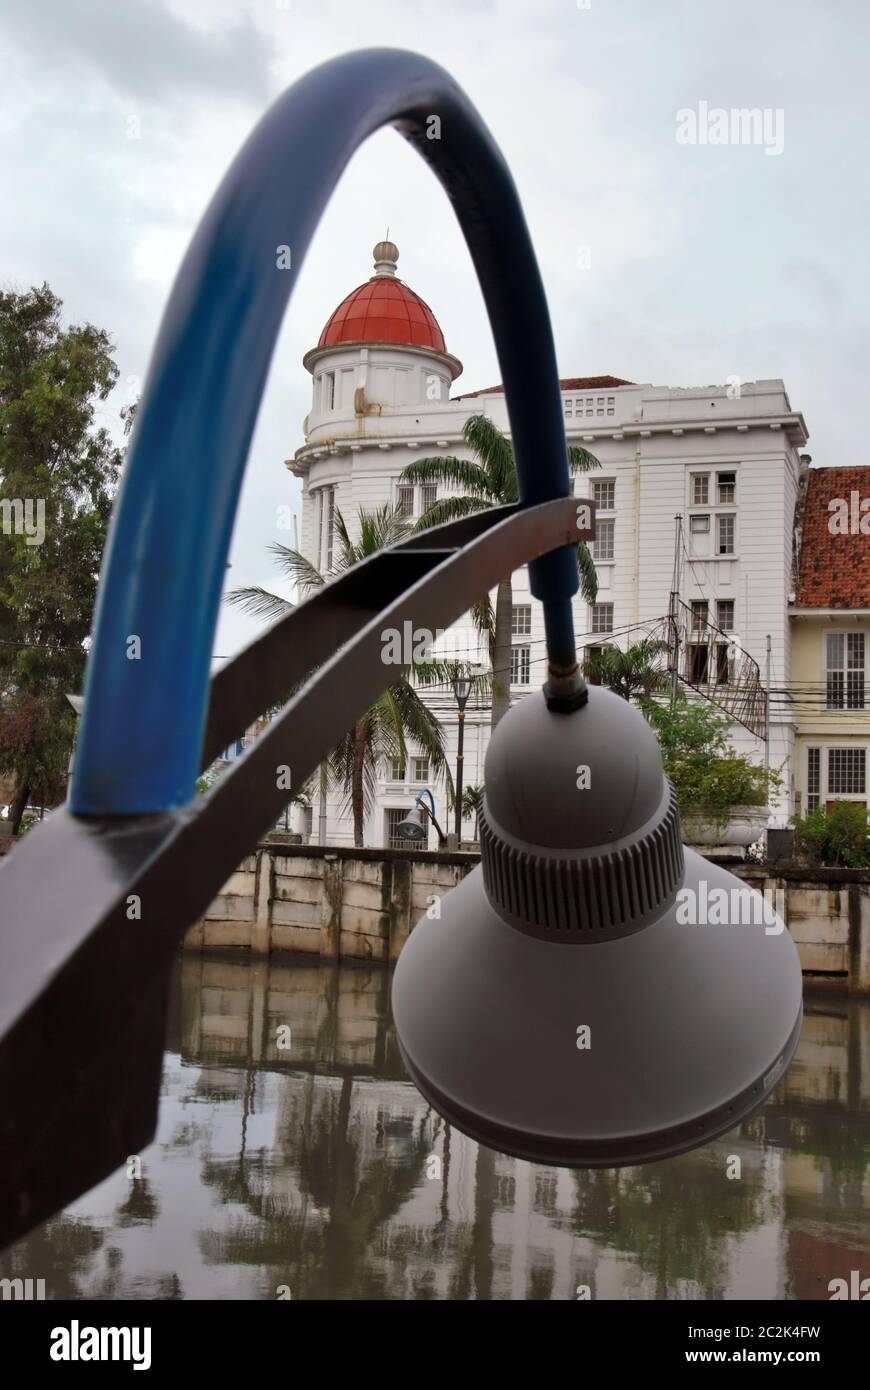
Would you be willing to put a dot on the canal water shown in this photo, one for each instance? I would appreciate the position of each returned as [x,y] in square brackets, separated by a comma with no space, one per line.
[303,1164]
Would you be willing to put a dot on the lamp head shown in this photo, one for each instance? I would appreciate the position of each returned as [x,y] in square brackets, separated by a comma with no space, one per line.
[462,690]
[413,827]
[578,1002]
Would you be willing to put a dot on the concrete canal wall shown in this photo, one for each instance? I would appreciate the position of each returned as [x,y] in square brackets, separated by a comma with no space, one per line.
[350,904]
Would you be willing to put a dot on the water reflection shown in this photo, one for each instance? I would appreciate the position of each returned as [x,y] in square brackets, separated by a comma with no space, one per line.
[320,1168]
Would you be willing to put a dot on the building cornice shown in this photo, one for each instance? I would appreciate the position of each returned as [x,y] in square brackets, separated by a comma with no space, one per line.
[353,443]
[316,354]
[841,613]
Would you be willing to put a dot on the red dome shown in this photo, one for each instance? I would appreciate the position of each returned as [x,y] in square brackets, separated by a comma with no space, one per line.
[384,310]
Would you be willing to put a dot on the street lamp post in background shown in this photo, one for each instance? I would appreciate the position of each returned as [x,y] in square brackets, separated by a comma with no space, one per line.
[462,690]
[413,827]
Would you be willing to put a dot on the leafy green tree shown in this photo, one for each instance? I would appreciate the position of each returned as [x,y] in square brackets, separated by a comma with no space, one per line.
[631,673]
[399,713]
[490,480]
[58,472]
[708,777]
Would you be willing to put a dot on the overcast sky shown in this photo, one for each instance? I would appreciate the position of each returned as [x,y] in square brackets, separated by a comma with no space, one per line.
[665,262]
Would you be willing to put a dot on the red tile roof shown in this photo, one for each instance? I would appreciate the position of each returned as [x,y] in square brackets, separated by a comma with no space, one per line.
[569,383]
[835,567]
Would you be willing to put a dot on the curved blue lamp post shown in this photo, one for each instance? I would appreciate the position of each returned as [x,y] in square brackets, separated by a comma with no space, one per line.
[147,679]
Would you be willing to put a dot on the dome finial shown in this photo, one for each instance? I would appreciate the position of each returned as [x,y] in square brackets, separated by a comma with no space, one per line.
[386,254]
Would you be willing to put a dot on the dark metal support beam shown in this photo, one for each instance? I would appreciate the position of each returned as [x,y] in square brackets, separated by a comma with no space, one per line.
[94,908]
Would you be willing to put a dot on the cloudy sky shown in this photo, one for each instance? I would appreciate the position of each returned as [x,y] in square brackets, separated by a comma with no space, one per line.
[666,262]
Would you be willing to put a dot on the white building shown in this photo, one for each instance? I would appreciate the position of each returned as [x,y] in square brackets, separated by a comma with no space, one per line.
[726,458]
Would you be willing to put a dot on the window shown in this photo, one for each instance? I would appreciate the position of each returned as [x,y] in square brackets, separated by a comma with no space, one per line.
[328,390]
[698,663]
[726,487]
[700,489]
[397,770]
[814,778]
[722,669]
[405,500]
[520,657]
[726,529]
[604,493]
[699,614]
[844,670]
[847,771]
[327,528]
[584,407]
[521,619]
[699,523]
[725,614]
[592,652]
[308,822]
[428,496]
[601,617]
[602,546]
[421,769]
[392,818]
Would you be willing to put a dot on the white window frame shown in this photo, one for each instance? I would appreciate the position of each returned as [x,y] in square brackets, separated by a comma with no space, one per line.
[521,663]
[392,816]
[405,509]
[597,555]
[610,485]
[521,620]
[823,794]
[729,627]
[594,630]
[694,480]
[845,633]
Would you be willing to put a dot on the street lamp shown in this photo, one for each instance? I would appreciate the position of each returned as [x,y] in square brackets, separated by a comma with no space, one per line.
[599,1014]
[413,827]
[462,690]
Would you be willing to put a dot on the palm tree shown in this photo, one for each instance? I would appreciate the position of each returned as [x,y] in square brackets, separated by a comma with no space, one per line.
[472,805]
[490,480]
[398,713]
[636,671]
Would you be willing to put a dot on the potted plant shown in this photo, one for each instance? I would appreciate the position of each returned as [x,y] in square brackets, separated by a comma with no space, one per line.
[722,795]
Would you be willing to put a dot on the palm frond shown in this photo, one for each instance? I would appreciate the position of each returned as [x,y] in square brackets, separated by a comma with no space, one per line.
[458,473]
[581,461]
[379,529]
[344,541]
[436,672]
[297,568]
[588,573]
[483,616]
[259,602]
[496,455]
[445,509]
[421,725]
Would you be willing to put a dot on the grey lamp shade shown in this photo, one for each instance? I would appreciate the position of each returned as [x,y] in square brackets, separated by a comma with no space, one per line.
[412,828]
[577,1003]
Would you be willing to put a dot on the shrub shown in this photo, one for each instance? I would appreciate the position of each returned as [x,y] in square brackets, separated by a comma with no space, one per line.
[839,838]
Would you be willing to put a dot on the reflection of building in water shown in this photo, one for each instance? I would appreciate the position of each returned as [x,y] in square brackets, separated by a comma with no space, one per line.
[347,1184]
